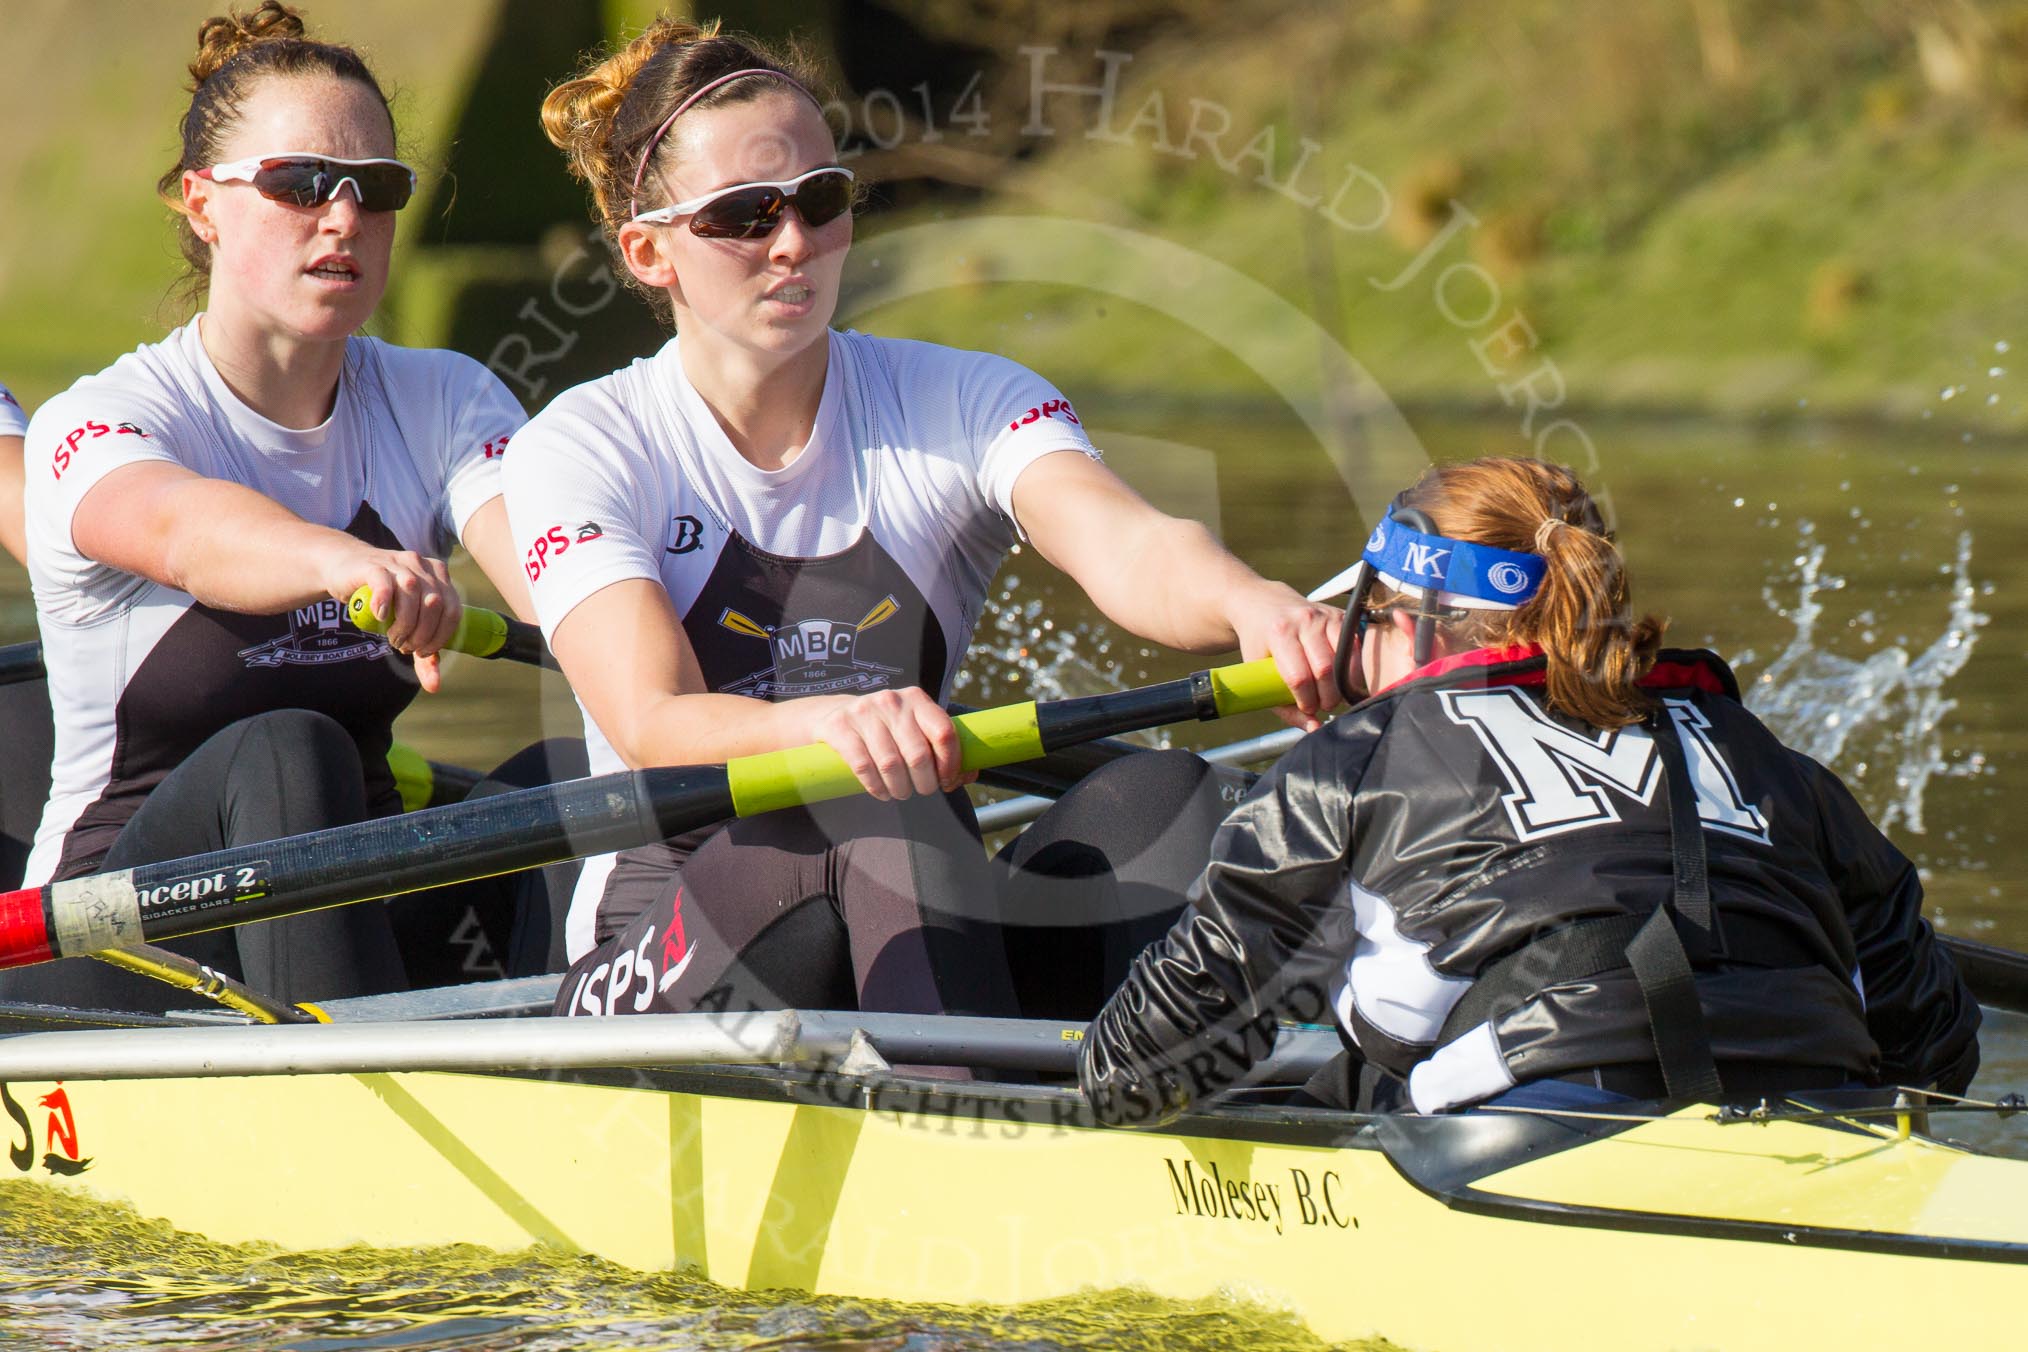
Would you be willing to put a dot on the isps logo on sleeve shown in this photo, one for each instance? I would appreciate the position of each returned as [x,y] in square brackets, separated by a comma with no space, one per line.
[68,448]
[554,543]
[1049,408]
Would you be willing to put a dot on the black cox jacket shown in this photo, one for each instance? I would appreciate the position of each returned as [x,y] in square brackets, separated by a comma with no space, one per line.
[1394,855]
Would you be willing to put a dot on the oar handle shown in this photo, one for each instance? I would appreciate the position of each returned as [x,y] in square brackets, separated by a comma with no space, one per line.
[811,774]
[1248,688]
[480,633]
[989,738]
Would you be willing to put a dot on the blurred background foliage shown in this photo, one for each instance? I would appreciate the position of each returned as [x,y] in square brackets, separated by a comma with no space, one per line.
[1713,206]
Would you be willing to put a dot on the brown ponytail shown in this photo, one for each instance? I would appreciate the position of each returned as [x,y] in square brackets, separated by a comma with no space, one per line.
[605,118]
[235,51]
[1582,617]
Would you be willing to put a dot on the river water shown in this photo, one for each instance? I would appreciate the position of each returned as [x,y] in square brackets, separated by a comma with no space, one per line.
[1869,586]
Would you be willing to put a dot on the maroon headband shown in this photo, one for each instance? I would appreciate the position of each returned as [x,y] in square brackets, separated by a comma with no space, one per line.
[634,194]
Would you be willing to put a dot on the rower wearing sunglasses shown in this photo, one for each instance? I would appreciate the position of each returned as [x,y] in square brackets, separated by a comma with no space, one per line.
[1547,864]
[771,532]
[199,511]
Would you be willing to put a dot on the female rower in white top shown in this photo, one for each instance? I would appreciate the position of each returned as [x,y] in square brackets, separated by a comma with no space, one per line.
[199,511]
[772,533]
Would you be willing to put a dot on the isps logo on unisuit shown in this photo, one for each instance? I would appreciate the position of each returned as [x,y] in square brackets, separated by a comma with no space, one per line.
[813,657]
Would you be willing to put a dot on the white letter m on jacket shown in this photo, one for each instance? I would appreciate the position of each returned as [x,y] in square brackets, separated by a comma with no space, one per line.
[1563,780]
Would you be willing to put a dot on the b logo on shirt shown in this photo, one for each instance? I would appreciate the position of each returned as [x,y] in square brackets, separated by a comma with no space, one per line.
[93,429]
[1054,408]
[555,542]
[496,448]
[689,536]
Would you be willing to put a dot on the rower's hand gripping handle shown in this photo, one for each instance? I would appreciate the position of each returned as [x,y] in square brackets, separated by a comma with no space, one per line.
[988,738]
[480,632]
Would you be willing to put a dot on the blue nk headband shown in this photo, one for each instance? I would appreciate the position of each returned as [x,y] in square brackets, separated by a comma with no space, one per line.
[1466,575]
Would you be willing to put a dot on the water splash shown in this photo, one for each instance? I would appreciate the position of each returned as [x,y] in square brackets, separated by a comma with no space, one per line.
[1026,647]
[1020,650]
[1884,712]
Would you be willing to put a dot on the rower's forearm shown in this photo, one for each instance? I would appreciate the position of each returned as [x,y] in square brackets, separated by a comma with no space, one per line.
[710,729]
[234,549]
[1173,586]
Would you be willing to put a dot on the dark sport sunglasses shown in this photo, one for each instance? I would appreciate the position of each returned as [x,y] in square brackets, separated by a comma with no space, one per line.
[751,210]
[310,180]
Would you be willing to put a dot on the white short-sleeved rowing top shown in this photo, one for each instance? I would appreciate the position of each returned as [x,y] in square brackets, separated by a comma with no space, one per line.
[13,422]
[140,674]
[861,565]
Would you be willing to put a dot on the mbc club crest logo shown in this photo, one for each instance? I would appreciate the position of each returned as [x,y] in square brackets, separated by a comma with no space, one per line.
[813,657]
[319,634]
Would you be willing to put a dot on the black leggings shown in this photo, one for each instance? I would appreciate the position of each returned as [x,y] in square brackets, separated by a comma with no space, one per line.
[857,904]
[27,745]
[1104,873]
[852,904]
[273,775]
[278,774]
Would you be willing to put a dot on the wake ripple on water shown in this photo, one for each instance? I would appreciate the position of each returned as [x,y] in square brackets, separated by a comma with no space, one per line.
[77,1274]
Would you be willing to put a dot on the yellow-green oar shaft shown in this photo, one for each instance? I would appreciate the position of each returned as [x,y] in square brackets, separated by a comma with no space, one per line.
[989,738]
[510,831]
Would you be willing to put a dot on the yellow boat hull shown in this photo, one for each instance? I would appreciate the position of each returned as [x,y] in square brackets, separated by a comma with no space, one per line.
[1674,1234]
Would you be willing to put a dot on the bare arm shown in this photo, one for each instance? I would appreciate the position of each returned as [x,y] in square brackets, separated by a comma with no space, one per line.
[627,658]
[1168,580]
[236,549]
[13,528]
[490,542]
